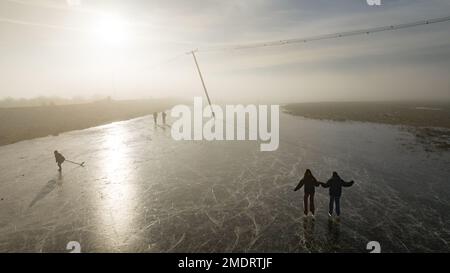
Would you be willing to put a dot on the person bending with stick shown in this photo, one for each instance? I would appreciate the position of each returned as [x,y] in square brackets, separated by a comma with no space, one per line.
[59,158]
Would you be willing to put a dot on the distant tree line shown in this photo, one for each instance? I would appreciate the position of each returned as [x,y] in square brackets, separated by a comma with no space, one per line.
[43,101]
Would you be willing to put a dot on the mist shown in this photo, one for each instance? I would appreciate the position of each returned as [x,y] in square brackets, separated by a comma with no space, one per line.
[68,49]
[224,126]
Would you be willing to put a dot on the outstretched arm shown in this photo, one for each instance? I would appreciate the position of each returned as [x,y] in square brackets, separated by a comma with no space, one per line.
[347,184]
[300,184]
[326,185]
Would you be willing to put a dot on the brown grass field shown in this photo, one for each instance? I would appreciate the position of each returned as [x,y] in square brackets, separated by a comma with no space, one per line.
[23,123]
[429,121]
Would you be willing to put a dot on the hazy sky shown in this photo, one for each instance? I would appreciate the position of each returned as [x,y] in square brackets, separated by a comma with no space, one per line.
[135,48]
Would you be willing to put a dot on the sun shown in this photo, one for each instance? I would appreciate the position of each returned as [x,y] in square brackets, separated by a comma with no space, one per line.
[111,30]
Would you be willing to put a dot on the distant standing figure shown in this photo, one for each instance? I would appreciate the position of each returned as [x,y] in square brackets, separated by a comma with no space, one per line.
[164,117]
[59,158]
[335,183]
[155,117]
[310,183]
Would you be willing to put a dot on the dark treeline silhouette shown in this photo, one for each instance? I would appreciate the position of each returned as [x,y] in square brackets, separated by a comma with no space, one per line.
[10,102]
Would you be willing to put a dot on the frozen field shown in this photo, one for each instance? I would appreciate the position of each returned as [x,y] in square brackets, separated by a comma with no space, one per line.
[141,191]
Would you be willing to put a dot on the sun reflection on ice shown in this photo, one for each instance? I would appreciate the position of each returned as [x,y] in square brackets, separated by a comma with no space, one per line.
[117,191]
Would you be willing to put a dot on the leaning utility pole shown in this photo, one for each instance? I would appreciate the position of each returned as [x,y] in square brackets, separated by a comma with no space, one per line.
[203,82]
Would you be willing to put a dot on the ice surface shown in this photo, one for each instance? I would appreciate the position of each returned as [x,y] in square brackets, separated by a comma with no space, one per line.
[141,191]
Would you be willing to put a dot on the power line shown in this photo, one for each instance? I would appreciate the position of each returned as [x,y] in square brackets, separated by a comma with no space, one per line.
[328,36]
[66,7]
[83,30]
[163,63]
[314,38]
[41,25]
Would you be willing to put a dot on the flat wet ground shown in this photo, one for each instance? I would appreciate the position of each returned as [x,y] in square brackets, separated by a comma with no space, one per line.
[141,191]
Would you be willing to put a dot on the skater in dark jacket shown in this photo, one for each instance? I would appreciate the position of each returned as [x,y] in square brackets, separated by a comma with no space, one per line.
[59,158]
[164,115]
[335,183]
[155,118]
[310,183]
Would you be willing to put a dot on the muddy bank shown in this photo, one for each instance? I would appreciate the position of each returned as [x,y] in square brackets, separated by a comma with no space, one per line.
[429,121]
[24,123]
